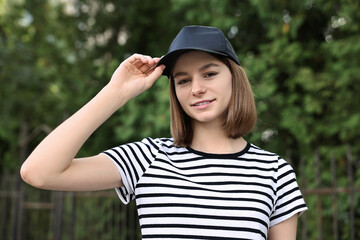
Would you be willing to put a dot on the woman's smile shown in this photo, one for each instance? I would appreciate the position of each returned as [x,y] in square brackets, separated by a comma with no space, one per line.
[203,104]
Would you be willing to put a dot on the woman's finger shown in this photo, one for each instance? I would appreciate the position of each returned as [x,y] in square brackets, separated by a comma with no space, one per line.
[154,73]
[145,68]
[135,58]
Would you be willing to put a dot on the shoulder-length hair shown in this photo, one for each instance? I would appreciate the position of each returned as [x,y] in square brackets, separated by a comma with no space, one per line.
[238,120]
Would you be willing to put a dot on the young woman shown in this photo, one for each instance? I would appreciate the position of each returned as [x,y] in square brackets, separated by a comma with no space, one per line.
[207,181]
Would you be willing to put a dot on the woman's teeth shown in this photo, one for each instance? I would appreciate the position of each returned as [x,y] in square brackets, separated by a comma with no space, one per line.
[201,103]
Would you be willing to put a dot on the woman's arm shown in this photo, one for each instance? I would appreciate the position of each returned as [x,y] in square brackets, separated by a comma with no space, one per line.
[285,230]
[52,165]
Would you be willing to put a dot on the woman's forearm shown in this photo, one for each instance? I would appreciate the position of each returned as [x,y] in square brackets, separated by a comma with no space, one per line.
[57,151]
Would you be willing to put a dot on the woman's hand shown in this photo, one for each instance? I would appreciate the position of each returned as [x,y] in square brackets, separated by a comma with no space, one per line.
[135,75]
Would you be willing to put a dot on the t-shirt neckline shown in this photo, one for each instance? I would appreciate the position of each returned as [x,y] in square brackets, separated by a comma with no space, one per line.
[220,155]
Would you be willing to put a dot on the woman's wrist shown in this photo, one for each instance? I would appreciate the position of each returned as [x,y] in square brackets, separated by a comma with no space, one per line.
[113,97]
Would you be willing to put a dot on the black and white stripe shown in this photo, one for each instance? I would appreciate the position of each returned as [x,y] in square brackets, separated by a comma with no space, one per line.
[182,193]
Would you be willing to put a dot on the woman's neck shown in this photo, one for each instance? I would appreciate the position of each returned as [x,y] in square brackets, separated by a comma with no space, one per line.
[213,139]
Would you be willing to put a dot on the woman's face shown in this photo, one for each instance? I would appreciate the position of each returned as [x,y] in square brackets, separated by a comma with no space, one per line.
[203,86]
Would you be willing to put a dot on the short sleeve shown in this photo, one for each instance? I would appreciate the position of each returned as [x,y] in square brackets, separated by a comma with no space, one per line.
[132,160]
[289,200]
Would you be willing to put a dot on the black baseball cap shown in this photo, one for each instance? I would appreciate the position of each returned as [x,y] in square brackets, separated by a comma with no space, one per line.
[202,38]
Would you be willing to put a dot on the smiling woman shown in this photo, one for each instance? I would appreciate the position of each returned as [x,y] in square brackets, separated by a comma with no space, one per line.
[239,116]
[207,181]
[202,86]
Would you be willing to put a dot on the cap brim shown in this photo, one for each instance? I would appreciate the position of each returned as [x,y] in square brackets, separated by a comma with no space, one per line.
[170,58]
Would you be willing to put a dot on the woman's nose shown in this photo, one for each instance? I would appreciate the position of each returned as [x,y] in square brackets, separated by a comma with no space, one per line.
[197,88]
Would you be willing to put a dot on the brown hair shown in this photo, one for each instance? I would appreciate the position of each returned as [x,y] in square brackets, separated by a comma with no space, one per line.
[239,119]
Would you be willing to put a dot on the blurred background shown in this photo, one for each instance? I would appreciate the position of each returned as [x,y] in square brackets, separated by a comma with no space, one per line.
[302,58]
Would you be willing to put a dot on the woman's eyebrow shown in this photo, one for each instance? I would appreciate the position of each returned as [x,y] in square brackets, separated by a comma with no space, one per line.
[206,66]
[180,74]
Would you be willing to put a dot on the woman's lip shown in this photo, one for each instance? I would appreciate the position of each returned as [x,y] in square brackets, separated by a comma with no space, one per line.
[202,104]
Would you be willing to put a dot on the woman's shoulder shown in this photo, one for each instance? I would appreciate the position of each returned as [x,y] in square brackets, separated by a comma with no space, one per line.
[165,146]
[160,143]
[282,164]
[258,151]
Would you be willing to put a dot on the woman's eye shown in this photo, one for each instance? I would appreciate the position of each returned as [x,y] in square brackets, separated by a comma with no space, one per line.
[210,74]
[183,81]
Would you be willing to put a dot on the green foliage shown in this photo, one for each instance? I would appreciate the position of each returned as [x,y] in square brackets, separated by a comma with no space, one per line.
[309,64]
[302,58]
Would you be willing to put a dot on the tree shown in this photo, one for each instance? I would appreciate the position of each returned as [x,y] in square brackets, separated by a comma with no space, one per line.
[301,58]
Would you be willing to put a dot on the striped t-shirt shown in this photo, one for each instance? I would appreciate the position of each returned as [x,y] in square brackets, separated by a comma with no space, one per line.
[182,193]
